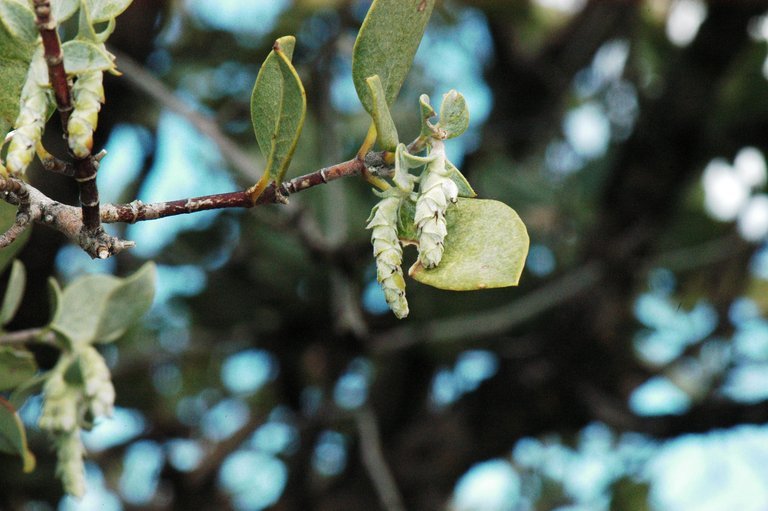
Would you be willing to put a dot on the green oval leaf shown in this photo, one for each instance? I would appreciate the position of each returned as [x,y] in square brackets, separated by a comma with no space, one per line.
[278,109]
[81,56]
[486,247]
[24,390]
[13,293]
[427,113]
[15,56]
[7,217]
[386,133]
[105,10]
[19,20]
[406,229]
[454,114]
[16,367]
[13,437]
[127,303]
[54,297]
[99,308]
[386,44]
[64,9]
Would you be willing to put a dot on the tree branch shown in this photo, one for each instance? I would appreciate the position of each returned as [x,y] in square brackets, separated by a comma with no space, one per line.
[372,455]
[69,220]
[214,459]
[16,192]
[137,211]
[483,324]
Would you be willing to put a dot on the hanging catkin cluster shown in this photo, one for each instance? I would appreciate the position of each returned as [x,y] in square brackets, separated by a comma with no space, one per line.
[439,187]
[36,99]
[87,98]
[70,404]
[389,253]
[436,191]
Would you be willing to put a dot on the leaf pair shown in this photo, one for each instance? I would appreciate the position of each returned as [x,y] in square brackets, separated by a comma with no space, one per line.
[278,109]
[453,120]
[382,56]
[100,10]
[87,51]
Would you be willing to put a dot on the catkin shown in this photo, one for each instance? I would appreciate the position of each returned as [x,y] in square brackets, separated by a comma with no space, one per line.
[28,129]
[99,393]
[436,191]
[87,98]
[388,253]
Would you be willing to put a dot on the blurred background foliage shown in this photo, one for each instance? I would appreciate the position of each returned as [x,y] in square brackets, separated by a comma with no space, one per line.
[628,371]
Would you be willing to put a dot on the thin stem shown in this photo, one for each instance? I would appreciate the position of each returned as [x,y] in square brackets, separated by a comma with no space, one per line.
[53,164]
[24,219]
[21,224]
[365,148]
[30,335]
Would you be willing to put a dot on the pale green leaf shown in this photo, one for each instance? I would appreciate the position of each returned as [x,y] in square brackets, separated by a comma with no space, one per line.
[105,10]
[13,292]
[16,367]
[454,114]
[406,229]
[64,9]
[486,247]
[86,29]
[13,437]
[19,20]
[427,113]
[465,189]
[54,298]
[30,386]
[385,127]
[15,56]
[74,374]
[278,108]
[267,96]
[99,308]
[403,178]
[386,44]
[7,217]
[81,56]
[128,303]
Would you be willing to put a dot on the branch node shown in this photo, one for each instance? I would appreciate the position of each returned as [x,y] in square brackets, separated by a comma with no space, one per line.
[280,197]
[100,245]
